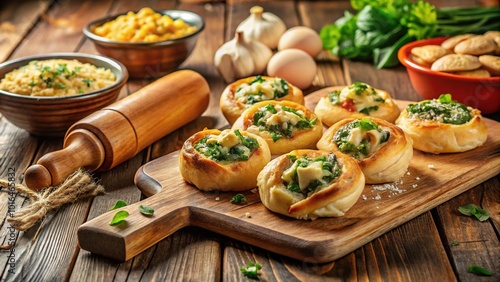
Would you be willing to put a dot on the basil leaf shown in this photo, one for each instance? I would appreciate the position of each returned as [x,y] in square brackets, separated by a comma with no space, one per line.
[119,218]
[118,204]
[251,270]
[479,270]
[445,98]
[473,210]
[238,198]
[146,210]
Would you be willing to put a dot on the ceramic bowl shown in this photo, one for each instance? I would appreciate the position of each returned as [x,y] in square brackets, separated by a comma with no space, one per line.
[50,115]
[149,59]
[480,93]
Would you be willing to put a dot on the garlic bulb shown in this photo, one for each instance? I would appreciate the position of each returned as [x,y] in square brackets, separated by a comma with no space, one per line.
[239,58]
[264,27]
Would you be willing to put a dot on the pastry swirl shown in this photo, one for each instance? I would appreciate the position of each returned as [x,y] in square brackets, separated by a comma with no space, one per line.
[307,184]
[443,126]
[227,160]
[382,150]
[284,125]
[241,94]
[357,100]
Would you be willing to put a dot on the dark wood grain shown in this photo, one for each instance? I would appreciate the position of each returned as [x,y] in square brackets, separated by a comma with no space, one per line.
[415,251]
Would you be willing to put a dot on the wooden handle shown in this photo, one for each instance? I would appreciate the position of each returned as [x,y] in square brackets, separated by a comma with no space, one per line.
[82,149]
[118,132]
[139,232]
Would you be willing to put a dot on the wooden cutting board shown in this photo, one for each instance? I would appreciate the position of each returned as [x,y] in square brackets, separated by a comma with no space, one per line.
[430,181]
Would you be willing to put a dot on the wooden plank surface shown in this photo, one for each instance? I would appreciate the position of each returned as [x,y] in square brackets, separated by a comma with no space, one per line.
[414,250]
[376,212]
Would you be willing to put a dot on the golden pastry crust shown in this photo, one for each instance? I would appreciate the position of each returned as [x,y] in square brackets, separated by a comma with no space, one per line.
[491,63]
[330,113]
[387,162]
[429,53]
[437,137]
[208,175]
[451,42]
[476,45]
[232,108]
[333,200]
[456,62]
[305,138]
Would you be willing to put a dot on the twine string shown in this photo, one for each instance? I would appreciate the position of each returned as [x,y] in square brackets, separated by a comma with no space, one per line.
[78,185]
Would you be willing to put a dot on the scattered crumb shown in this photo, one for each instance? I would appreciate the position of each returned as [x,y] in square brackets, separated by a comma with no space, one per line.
[407,173]
[376,198]
[431,166]
[414,185]
[393,187]
[417,178]
[217,198]
[363,197]
[248,215]
[254,190]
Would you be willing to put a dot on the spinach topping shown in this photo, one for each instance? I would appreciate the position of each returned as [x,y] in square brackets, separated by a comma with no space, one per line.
[330,171]
[279,86]
[443,110]
[363,149]
[217,152]
[283,129]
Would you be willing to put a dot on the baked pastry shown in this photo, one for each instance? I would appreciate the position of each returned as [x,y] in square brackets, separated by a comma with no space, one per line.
[307,184]
[243,93]
[456,62]
[383,151]
[443,126]
[490,63]
[476,45]
[227,160]
[284,125]
[357,100]
[428,54]
[451,42]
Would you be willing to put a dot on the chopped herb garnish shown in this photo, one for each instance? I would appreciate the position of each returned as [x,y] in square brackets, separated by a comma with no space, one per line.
[251,270]
[281,127]
[210,147]
[146,210]
[118,204]
[87,81]
[454,243]
[443,110]
[32,84]
[473,210]
[358,87]
[119,218]
[479,270]
[238,198]
[363,149]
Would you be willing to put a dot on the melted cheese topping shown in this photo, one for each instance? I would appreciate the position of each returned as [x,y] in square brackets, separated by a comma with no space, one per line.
[356,135]
[307,174]
[281,117]
[226,139]
[363,100]
[265,90]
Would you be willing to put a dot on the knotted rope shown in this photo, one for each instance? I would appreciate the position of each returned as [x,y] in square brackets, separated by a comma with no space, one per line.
[78,185]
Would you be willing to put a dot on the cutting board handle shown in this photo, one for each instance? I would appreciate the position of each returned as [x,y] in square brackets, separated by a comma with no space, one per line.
[139,232]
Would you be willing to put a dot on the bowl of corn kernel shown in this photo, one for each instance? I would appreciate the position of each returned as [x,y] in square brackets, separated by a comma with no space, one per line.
[149,43]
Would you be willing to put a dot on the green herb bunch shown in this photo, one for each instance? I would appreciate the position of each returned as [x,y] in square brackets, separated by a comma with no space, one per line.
[381,27]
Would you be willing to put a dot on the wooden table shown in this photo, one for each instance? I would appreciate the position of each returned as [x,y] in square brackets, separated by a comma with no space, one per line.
[418,250]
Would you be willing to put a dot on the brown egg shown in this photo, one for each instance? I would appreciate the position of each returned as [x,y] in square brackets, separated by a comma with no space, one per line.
[303,38]
[294,66]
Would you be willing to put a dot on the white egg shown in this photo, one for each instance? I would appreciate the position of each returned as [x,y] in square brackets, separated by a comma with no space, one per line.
[303,38]
[293,65]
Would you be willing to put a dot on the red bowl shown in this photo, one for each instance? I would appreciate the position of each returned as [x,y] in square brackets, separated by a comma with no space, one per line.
[480,93]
